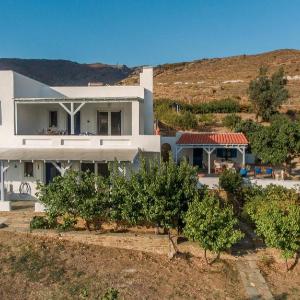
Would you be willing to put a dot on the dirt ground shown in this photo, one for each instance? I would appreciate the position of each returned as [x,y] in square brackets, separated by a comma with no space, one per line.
[284,285]
[39,268]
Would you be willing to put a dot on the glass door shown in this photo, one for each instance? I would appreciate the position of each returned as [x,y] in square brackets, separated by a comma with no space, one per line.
[102,123]
[116,123]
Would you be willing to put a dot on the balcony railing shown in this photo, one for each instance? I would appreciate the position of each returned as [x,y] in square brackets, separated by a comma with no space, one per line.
[149,143]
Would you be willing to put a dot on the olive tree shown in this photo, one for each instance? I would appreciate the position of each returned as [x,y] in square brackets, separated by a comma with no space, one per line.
[267,94]
[212,224]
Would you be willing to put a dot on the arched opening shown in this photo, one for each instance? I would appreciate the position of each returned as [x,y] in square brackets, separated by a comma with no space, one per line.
[165,150]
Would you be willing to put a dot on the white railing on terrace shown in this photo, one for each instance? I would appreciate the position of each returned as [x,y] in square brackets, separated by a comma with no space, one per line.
[144,142]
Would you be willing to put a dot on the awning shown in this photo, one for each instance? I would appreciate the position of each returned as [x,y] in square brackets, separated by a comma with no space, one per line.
[63,154]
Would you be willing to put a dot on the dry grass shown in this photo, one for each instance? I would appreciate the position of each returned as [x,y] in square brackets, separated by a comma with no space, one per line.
[40,268]
[205,79]
[283,285]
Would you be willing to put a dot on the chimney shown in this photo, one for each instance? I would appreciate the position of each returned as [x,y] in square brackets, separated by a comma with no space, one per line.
[146,81]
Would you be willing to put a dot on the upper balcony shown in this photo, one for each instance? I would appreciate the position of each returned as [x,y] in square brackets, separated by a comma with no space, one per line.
[82,123]
[103,117]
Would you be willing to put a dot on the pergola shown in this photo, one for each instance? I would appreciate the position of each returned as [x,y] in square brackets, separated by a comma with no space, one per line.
[209,142]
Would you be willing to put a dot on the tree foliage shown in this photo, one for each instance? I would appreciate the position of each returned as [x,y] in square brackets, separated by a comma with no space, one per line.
[268,94]
[275,211]
[77,194]
[211,224]
[278,143]
[158,193]
[231,181]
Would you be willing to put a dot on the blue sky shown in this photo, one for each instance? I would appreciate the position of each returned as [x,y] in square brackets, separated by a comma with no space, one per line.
[136,32]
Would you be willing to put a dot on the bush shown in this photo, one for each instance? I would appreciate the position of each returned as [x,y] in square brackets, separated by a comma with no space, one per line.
[231,181]
[41,222]
[275,212]
[206,119]
[158,193]
[185,121]
[231,121]
[111,294]
[77,194]
[211,224]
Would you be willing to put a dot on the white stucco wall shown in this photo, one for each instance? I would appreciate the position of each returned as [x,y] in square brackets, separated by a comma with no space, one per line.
[146,81]
[137,120]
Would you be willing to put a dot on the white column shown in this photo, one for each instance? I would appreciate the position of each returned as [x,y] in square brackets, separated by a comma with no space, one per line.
[209,166]
[244,156]
[135,117]
[2,180]
[16,118]
[72,112]
[62,170]
[209,151]
[4,205]
[72,119]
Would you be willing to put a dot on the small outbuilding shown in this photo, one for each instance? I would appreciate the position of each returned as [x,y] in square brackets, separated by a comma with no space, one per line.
[207,149]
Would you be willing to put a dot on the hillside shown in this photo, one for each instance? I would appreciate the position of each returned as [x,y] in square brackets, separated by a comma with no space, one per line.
[216,78]
[64,72]
[195,81]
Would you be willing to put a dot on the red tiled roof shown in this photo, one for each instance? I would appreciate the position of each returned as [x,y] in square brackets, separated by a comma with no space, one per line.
[212,139]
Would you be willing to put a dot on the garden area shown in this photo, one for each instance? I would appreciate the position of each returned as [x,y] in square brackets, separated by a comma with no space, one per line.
[162,197]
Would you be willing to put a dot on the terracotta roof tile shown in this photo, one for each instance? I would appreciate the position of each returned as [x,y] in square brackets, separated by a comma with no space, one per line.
[213,139]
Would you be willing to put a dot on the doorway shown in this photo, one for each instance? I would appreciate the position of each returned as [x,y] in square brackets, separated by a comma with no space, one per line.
[103,169]
[76,124]
[51,172]
[198,157]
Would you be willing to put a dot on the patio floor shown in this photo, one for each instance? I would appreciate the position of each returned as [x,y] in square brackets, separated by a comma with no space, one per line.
[213,182]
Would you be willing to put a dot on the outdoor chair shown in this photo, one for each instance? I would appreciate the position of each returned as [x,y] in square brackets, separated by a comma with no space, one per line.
[257,171]
[218,167]
[243,172]
[269,172]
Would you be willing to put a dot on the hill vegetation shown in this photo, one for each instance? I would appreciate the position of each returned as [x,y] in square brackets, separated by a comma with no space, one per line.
[191,82]
[218,78]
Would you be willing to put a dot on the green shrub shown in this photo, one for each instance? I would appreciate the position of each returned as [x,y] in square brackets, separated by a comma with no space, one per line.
[187,120]
[111,294]
[275,212]
[231,121]
[211,224]
[231,181]
[41,222]
[206,119]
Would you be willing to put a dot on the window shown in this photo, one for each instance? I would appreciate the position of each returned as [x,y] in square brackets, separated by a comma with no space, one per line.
[88,167]
[226,153]
[52,118]
[28,169]
[102,123]
[103,169]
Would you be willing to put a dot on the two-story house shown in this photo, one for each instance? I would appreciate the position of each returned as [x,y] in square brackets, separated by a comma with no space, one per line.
[45,130]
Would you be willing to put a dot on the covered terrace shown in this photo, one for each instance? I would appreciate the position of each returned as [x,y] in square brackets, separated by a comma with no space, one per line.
[205,150]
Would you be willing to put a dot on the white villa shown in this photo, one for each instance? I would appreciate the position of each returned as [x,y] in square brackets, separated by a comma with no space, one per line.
[47,130]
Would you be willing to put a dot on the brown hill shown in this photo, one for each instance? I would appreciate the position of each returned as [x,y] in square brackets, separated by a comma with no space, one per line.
[216,78]
[196,81]
[64,72]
